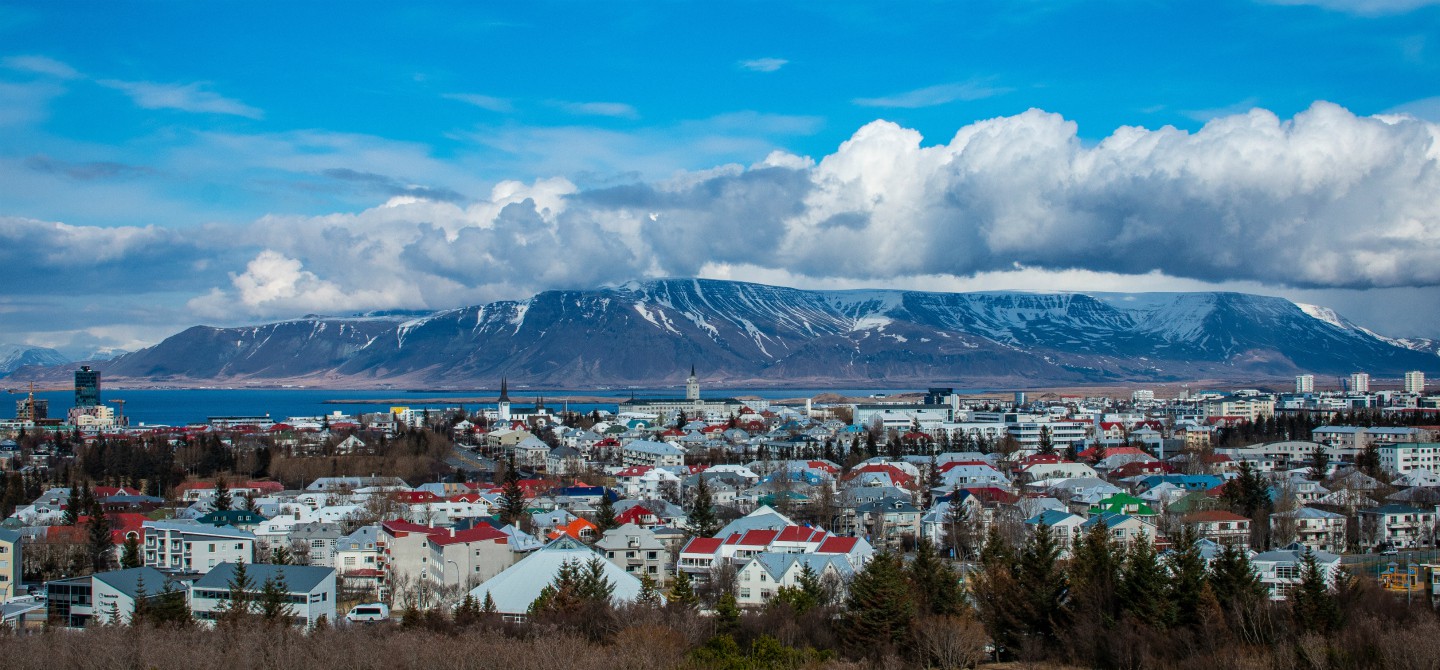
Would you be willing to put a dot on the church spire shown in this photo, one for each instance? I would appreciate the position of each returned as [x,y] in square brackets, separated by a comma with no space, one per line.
[504,391]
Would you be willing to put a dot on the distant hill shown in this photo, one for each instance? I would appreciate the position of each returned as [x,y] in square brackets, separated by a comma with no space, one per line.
[16,356]
[651,332]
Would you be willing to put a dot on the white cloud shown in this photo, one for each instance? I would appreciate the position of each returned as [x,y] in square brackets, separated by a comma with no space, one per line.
[764,64]
[184,97]
[40,65]
[932,96]
[613,109]
[1363,7]
[491,103]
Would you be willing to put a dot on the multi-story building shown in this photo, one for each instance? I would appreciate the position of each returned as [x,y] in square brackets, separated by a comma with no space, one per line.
[654,454]
[1316,529]
[1415,382]
[1304,383]
[195,547]
[1400,526]
[1279,570]
[87,387]
[637,550]
[1249,408]
[309,591]
[10,563]
[1360,382]
[1221,527]
[1402,457]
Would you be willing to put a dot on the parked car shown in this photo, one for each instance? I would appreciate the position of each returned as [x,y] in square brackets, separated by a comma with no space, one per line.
[369,613]
[1388,549]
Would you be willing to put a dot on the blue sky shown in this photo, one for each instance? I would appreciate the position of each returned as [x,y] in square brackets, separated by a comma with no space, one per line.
[233,162]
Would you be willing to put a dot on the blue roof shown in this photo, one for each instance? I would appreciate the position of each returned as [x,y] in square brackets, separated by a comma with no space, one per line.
[1050,517]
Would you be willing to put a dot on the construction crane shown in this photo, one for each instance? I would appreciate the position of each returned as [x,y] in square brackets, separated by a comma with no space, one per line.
[121,420]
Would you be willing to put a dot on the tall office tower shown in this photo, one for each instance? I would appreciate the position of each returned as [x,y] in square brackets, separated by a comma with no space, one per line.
[1360,382]
[87,387]
[1304,383]
[1415,382]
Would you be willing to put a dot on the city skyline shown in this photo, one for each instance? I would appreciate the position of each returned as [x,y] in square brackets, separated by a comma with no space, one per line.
[163,165]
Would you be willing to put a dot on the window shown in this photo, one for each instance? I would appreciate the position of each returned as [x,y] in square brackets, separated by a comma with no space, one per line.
[744,593]
[212,547]
[239,546]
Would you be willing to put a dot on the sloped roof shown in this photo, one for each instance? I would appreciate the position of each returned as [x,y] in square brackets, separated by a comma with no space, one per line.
[298,578]
[128,581]
[516,587]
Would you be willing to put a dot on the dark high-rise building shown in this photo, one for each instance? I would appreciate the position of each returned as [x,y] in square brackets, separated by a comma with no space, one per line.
[87,387]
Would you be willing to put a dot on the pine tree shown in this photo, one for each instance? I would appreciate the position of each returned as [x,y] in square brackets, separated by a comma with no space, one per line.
[1046,589]
[170,609]
[274,610]
[142,602]
[488,607]
[1187,578]
[997,595]
[682,591]
[242,590]
[703,521]
[222,500]
[512,497]
[649,595]
[130,553]
[248,504]
[605,514]
[1319,463]
[281,556]
[1234,580]
[1312,604]
[1095,575]
[468,613]
[880,607]
[101,548]
[1143,585]
[1047,445]
[937,587]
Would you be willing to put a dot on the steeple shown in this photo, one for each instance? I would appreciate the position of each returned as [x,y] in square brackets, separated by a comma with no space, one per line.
[502,404]
[504,391]
[692,385]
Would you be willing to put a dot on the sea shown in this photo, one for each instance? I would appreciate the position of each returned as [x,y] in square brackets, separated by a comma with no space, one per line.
[179,407]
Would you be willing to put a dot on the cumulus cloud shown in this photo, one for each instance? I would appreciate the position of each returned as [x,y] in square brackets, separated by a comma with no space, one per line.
[192,97]
[932,96]
[1325,203]
[764,64]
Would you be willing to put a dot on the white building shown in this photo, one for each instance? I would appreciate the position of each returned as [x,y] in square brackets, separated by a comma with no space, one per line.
[514,589]
[1279,570]
[1415,382]
[1360,382]
[309,591]
[654,454]
[195,547]
[1304,383]
[1402,457]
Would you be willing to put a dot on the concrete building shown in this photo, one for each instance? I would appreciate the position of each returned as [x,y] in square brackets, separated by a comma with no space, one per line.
[1304,383]
[309,591]
[1401,526]
[1415,382]
[637,551]
[10,563]
[1403,457]
[653,454]
[195,547]
[1360,382]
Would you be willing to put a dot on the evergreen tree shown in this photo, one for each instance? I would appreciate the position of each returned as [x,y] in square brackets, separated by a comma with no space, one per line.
[880,607]
[605,514]
[487,607]
[937,587]
[512,497]
[703,521]
[274,610]
[1187,578]
[1368,461]
[1047,445]
[1319,463]
[223,500]
[1312,603]
[1143,585]
[281,556]
[682,591]
[1247,493]
[468,613]
[727,613]
[1044,607]
[74,505]
[1234,580]
[996,594]
[247,503]
[649,595]
[170,609]
[101,548]
[1095,569]
[238,608]
[130,553]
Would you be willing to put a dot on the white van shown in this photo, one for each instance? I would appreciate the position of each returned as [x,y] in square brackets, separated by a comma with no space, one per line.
[368,613]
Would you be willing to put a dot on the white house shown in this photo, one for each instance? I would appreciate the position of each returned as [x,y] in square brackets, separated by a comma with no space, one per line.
[764,574]
[1279,570]
[514,589]
[309,591]
[656,454]
[195,547]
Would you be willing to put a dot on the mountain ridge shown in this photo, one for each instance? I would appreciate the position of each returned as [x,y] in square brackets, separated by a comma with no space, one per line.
[737,332]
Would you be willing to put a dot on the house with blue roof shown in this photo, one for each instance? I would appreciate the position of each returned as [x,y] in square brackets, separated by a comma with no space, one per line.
[1064,526]
[1123,527]
[764,574]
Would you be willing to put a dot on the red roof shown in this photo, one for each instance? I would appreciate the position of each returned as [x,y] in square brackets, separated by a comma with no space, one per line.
[702,545]
[414,497]
[1211,516]
[1114,451]
[758,538]
[635,515]
[634,471]
[800,534]
[838,545]
[480,533]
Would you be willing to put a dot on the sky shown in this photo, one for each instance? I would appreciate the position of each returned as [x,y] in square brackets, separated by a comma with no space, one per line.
[167,164]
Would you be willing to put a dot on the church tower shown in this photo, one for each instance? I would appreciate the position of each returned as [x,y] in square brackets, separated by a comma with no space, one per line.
[502,403]
[692,386]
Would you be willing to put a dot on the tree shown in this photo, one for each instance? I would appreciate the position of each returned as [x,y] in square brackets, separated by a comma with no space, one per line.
[1044,607]
[1312,603]
[237,609]
[1234,580]
[512,497]
[682,591]
[649,595]
[274,610]
[1188,585]
[1047,445]
[880,607]
[101,549]
[130,553]
[281,556]
[1319,462]
[468,613]
[1143,585]
[247,503]
[170,609]
[703,521]
[1095,568]
[937,587]
[1368,461]
[222,501]
[605,514]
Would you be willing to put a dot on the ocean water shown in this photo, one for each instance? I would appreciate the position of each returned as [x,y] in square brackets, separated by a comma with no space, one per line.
[178,407]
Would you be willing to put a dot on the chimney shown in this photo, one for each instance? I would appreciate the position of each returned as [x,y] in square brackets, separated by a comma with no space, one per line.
[452,531]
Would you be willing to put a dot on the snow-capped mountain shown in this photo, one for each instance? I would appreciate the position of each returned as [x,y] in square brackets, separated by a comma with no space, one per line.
[651,332]
[16,356]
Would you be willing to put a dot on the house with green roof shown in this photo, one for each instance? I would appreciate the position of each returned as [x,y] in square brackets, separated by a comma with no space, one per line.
[1122,503]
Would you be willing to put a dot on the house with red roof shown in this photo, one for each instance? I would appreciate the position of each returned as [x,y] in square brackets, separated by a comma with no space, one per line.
[580,528]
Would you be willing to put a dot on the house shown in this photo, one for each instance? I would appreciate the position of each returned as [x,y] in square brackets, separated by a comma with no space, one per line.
[475,555]
[1312,528]
[195,547]
[1124,528]
[1219,526]
[104,598]
[637,550]
[314,543]
[517,587]
[654,454]
[357,560]
[10,563]
[531,452]
[1279,570]
[765,574]
[1064,527]
[564,461]
[309,591]
[1401,526]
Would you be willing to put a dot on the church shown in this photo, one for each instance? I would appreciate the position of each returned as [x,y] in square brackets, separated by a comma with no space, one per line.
[692,405]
